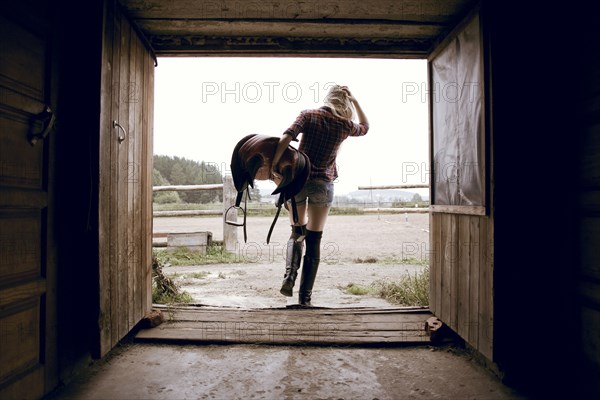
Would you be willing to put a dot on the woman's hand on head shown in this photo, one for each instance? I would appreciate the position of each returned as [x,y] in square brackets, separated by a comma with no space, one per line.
[345,89]
[362,118]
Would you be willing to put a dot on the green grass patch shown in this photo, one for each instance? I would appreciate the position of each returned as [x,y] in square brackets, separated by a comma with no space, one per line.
[392,260]
[415,261]
[198,275]
[367,260]
[410,290]
[346,211]
[189,279]
[163,298]
[184,256]
[164,288]
[357,290]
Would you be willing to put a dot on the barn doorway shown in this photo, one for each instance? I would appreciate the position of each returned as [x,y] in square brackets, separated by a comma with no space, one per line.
[377,232]
[457,51]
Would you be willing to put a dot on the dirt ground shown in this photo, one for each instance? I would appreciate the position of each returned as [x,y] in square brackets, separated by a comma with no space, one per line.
[155,371]
[345,240]
[169,371]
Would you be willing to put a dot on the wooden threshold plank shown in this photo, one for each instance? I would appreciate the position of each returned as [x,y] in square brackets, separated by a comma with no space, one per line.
[266,336]
[288,326]
[286,329]
[283,316]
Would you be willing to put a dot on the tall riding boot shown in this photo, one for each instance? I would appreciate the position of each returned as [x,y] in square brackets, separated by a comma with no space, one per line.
[310,267]
[295,245]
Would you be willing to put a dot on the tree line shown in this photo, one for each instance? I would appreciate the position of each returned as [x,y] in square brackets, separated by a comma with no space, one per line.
[175,170]
[181,171]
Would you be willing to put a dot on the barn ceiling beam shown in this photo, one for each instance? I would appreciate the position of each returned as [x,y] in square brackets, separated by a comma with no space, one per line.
[394,28]
[254,45]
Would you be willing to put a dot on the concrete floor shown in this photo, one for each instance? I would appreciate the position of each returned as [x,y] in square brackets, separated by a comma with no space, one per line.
[160,371]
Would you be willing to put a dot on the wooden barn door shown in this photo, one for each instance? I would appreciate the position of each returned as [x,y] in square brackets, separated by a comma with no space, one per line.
[462,219]
[125,179]
[27,253]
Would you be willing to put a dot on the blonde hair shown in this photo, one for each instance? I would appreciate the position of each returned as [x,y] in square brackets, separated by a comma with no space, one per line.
[337,99]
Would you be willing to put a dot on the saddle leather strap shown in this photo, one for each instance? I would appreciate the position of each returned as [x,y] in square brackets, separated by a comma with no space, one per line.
[273,223]
[245,213]
[280,202]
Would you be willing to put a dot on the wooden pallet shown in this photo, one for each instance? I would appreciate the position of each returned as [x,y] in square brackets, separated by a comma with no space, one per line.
[317,326]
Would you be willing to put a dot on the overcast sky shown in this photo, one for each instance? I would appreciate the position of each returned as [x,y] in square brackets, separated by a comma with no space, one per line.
[203,106]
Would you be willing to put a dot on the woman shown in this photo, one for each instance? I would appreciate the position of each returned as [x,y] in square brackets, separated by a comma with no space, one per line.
[323,131]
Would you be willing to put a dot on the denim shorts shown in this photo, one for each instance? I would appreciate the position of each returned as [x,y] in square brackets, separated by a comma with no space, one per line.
[318,192]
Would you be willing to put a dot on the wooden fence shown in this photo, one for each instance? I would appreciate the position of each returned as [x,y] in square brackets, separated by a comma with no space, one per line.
[396,209]
[229,193]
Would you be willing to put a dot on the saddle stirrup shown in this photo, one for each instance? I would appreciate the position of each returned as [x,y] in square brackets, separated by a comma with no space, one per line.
[236,206]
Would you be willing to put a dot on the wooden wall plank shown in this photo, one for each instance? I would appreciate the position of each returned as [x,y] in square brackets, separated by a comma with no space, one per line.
[122,192]
[440,262]
[113,249]
[433,256]
[149,151]
[142,176]
[438,256]
[144,181]
[136,178]
[444,266]
[448,265]
[477,223]
[104,191]
[446,269]
[462,276]
[130,105]
[454,243]
[486,292]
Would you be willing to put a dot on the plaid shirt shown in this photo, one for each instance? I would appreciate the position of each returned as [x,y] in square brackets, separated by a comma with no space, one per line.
[322,135]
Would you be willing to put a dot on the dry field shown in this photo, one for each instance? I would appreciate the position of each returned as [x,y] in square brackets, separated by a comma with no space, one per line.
[346,237]
[384,240]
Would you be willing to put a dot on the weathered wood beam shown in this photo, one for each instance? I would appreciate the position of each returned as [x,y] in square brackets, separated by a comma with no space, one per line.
[411,10]
[392,210]
[257,45]
[291,28]
[184,188]
[464,210]
[186,213]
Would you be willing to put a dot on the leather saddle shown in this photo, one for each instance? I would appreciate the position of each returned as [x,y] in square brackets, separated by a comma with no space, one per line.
[252,158]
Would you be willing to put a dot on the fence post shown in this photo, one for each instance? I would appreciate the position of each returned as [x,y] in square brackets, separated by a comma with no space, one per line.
[230,240]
